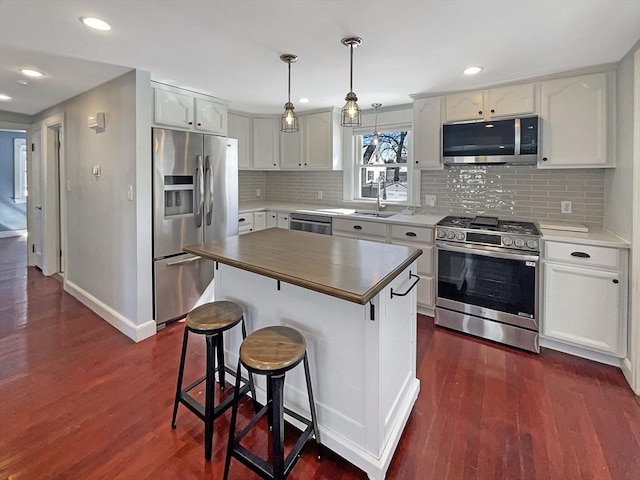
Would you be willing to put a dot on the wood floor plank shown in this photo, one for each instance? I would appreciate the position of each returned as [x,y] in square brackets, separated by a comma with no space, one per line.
[79,400]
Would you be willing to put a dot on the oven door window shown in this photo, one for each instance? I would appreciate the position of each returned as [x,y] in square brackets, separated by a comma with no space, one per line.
[500,284]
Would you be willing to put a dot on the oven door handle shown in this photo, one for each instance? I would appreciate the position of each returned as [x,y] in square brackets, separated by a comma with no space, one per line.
[306,222]
[488,253]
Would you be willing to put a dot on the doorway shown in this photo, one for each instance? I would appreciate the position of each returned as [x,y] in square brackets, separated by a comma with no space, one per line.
[46,210]
[13,182]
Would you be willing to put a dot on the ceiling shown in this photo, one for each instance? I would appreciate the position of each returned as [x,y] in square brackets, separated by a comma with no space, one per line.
[230,48]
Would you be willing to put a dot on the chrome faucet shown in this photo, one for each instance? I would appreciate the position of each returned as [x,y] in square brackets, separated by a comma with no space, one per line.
[381,185]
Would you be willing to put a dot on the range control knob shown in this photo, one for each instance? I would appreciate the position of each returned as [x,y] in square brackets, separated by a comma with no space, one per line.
[532,244]
[507,241]
[451,235]
[460,236]
[441,233]
[519,242]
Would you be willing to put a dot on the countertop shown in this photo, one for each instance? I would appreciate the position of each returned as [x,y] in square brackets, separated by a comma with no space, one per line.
[595,236]
[353,270]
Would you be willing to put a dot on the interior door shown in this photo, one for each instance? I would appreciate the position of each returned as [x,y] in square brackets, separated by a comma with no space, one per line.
[34,199]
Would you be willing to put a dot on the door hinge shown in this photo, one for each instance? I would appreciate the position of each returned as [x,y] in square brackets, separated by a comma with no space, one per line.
[33,248]
[33,147]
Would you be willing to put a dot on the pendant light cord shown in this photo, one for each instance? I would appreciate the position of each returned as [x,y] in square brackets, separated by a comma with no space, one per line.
[289,85]
[351,70]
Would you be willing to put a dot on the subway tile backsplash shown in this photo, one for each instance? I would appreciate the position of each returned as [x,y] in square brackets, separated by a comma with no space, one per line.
[506,191]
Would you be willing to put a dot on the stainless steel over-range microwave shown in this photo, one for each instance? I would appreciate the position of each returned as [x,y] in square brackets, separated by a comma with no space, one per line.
[512,141]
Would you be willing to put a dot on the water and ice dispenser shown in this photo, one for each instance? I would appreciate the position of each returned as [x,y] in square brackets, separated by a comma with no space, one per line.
[178,195]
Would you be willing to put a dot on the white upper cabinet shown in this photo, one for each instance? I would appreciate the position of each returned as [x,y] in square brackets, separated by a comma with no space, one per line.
[189,111]
[427,126]
[291,149]
[266,143]
[240,129]
[464,106]
[510,101]
[173,109]
[575,114]
[492,103]
[316,146]
[210,117]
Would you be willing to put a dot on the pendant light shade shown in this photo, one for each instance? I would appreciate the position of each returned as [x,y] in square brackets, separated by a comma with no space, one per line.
[351,111]
[289,119]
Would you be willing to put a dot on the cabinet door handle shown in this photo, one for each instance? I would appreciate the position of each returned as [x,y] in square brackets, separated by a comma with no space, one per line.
[241,219]
[493,111]
[580,255]
[411,234]
[411,275]
[544,159]
[615,280]
[357,227]
[199,124]
[190,123]
[479,112]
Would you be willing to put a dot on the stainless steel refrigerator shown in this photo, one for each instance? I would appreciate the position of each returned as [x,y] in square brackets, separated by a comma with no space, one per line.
[195,198]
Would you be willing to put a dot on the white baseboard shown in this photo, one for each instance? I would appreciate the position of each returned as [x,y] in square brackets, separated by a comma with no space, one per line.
[581,352]
[12,233]
[117,320]
[627,371]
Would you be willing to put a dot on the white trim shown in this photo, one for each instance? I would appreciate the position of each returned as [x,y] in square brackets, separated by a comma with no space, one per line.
[633,359]
[115,319]
[19,165]
[12,233]
[581,352]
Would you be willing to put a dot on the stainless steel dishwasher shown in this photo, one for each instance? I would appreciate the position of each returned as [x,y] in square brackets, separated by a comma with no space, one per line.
[310,223]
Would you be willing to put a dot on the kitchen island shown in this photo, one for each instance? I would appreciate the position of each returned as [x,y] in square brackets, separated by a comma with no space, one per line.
[355,303]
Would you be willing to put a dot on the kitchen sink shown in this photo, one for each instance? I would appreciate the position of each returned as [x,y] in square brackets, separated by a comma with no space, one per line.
[373,214]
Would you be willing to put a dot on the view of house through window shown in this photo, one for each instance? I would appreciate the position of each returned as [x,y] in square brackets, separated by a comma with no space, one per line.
[382,170]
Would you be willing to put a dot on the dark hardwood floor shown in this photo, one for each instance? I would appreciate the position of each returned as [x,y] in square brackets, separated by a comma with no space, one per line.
[79,400]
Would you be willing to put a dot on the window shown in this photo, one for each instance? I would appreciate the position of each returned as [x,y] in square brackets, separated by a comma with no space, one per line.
[384,170]
[19,170]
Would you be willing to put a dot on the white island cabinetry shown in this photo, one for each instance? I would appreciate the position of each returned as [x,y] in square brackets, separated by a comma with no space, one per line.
[358,319]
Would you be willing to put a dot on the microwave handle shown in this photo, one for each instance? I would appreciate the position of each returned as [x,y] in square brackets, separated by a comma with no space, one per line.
[516,149]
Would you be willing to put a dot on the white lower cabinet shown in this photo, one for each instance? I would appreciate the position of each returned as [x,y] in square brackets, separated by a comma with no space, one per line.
[354,228]
[259,221]
[271,219]
[585,296]
[283,220]
[422,238]
[245,223]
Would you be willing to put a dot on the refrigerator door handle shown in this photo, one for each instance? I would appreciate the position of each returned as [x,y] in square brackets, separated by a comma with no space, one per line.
[197,192]
[208,193]
[182,262]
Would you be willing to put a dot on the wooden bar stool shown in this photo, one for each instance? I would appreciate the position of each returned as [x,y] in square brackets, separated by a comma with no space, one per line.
[210,320]
[272,351]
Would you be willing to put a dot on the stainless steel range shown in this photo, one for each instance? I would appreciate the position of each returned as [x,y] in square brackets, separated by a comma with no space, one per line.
[488,279]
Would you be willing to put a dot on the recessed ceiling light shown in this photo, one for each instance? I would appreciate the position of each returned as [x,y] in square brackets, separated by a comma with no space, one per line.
[31,73]
[95,23]
[23,82]
[472,70]
[4,98]
[303,100]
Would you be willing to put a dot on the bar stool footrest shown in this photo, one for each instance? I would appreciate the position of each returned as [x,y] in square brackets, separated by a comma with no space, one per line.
[198,409]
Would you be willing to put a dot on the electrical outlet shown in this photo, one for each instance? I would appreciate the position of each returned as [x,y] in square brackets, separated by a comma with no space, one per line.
[565,206]
[319,194]
[430,200]
[257,192]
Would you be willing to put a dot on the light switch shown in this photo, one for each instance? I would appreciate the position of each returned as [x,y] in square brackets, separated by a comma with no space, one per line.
[96,170]
[130,193]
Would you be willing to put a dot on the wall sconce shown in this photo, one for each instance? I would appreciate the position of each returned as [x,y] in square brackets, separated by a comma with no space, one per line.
[96,121]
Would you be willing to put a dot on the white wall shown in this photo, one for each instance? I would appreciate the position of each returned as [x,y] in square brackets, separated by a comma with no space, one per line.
[619,181]
[109,237]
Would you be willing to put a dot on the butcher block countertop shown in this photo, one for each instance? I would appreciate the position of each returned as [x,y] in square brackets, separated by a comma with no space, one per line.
[353,270]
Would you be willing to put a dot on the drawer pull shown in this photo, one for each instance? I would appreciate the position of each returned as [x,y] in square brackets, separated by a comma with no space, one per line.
[411,234]
[357,227]
[615,280]
[242,219]
[580,255]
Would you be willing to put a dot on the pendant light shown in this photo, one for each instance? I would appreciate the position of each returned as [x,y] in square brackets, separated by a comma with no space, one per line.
[351,111]
[375,139]
[289,119]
